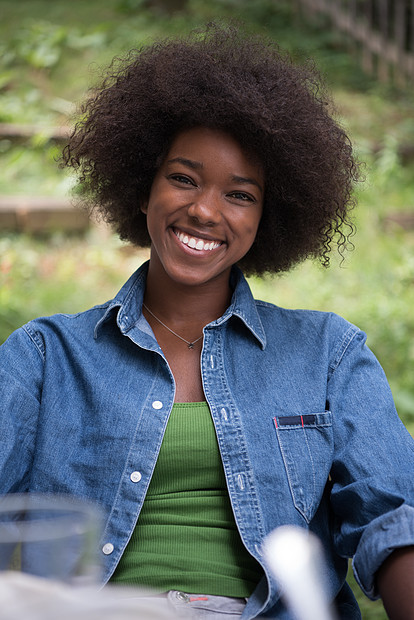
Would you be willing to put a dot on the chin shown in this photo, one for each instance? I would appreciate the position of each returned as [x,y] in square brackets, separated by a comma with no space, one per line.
[198,277]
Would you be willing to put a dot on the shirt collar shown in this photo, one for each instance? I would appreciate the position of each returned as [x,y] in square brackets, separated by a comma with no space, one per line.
[129,300]
[243,305]
[127,303]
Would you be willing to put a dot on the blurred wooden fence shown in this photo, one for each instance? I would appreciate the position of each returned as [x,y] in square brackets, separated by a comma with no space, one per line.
[41,214]
[381,30]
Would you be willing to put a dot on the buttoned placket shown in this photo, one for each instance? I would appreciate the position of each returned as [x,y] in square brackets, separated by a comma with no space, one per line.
[139,468]
[232,443]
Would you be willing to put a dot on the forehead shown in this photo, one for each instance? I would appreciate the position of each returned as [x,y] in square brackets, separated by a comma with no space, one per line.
[204,145]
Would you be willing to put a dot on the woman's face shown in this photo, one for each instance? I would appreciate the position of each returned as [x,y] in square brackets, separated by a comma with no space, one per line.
[204,207]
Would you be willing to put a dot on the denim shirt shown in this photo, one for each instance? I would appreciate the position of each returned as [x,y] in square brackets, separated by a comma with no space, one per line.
[305,422]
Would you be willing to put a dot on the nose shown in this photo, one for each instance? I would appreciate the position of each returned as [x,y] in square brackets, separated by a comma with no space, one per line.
[206,209]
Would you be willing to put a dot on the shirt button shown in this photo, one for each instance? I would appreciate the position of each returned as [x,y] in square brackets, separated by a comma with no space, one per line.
[107,548]
[136,476]
[157,404]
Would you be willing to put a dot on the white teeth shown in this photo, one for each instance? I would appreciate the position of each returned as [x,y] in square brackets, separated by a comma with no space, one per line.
[195,243]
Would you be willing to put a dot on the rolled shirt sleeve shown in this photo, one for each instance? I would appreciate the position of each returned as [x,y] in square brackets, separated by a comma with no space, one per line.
[372,473]
[381,537]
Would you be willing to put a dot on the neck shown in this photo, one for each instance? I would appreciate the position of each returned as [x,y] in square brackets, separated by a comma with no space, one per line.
[180,304]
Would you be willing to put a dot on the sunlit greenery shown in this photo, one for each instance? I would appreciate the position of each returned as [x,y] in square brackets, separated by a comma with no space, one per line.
[51,52]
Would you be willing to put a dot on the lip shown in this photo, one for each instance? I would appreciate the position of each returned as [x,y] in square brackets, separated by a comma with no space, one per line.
[196,243]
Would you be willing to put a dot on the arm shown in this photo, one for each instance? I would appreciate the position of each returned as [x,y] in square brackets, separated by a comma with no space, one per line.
[373,472]
[21,371]
[395,581]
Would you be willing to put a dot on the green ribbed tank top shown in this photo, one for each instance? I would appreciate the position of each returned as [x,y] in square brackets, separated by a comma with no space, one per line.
[186,537]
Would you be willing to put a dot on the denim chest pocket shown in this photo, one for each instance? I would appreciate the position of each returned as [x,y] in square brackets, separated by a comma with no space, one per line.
[306,445]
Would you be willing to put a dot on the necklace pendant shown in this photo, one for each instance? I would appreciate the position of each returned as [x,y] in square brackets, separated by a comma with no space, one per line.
[189,344]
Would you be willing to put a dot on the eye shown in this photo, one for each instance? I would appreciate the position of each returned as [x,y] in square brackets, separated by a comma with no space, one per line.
[182,179]
[242,196]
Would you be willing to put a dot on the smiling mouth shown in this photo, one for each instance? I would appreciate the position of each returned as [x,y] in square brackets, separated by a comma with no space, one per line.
[195,242]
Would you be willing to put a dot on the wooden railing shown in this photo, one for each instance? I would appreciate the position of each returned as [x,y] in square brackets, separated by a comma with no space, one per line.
[41,214]
[381,30]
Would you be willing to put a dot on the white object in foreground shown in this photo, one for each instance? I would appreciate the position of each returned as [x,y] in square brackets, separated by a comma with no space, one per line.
[26,597]
[295,557]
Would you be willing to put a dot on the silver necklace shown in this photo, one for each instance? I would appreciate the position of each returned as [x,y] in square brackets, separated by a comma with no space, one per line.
[187,342]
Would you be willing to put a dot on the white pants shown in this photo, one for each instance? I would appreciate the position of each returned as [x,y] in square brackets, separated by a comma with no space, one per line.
[199,606]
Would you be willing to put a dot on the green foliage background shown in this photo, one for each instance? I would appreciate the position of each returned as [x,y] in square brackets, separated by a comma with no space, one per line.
[51,52]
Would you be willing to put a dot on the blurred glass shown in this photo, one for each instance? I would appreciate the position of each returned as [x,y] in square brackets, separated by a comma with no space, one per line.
[49,565]
[53,537]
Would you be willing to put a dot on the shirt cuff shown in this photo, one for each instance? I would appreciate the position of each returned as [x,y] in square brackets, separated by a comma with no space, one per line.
[381,537]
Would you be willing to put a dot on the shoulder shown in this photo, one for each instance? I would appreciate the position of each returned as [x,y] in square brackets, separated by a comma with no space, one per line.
[37,333]
[82,326]
[311,327]
[306,319]
[80,320]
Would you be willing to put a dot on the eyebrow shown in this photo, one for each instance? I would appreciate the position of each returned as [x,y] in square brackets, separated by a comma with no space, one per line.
[194,165]
[247,181]
[197,165]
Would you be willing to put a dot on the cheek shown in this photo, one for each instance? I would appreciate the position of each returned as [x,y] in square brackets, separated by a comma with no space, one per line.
[249,236]
[251,233]
[252,225]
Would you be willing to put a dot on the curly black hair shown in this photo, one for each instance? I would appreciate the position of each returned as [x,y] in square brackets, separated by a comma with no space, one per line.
[225,78]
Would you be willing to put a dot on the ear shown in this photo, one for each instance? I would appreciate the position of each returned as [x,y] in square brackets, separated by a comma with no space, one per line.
[144,207]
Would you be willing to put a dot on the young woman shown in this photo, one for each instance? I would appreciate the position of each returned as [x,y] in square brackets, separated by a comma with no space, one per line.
[199,418]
